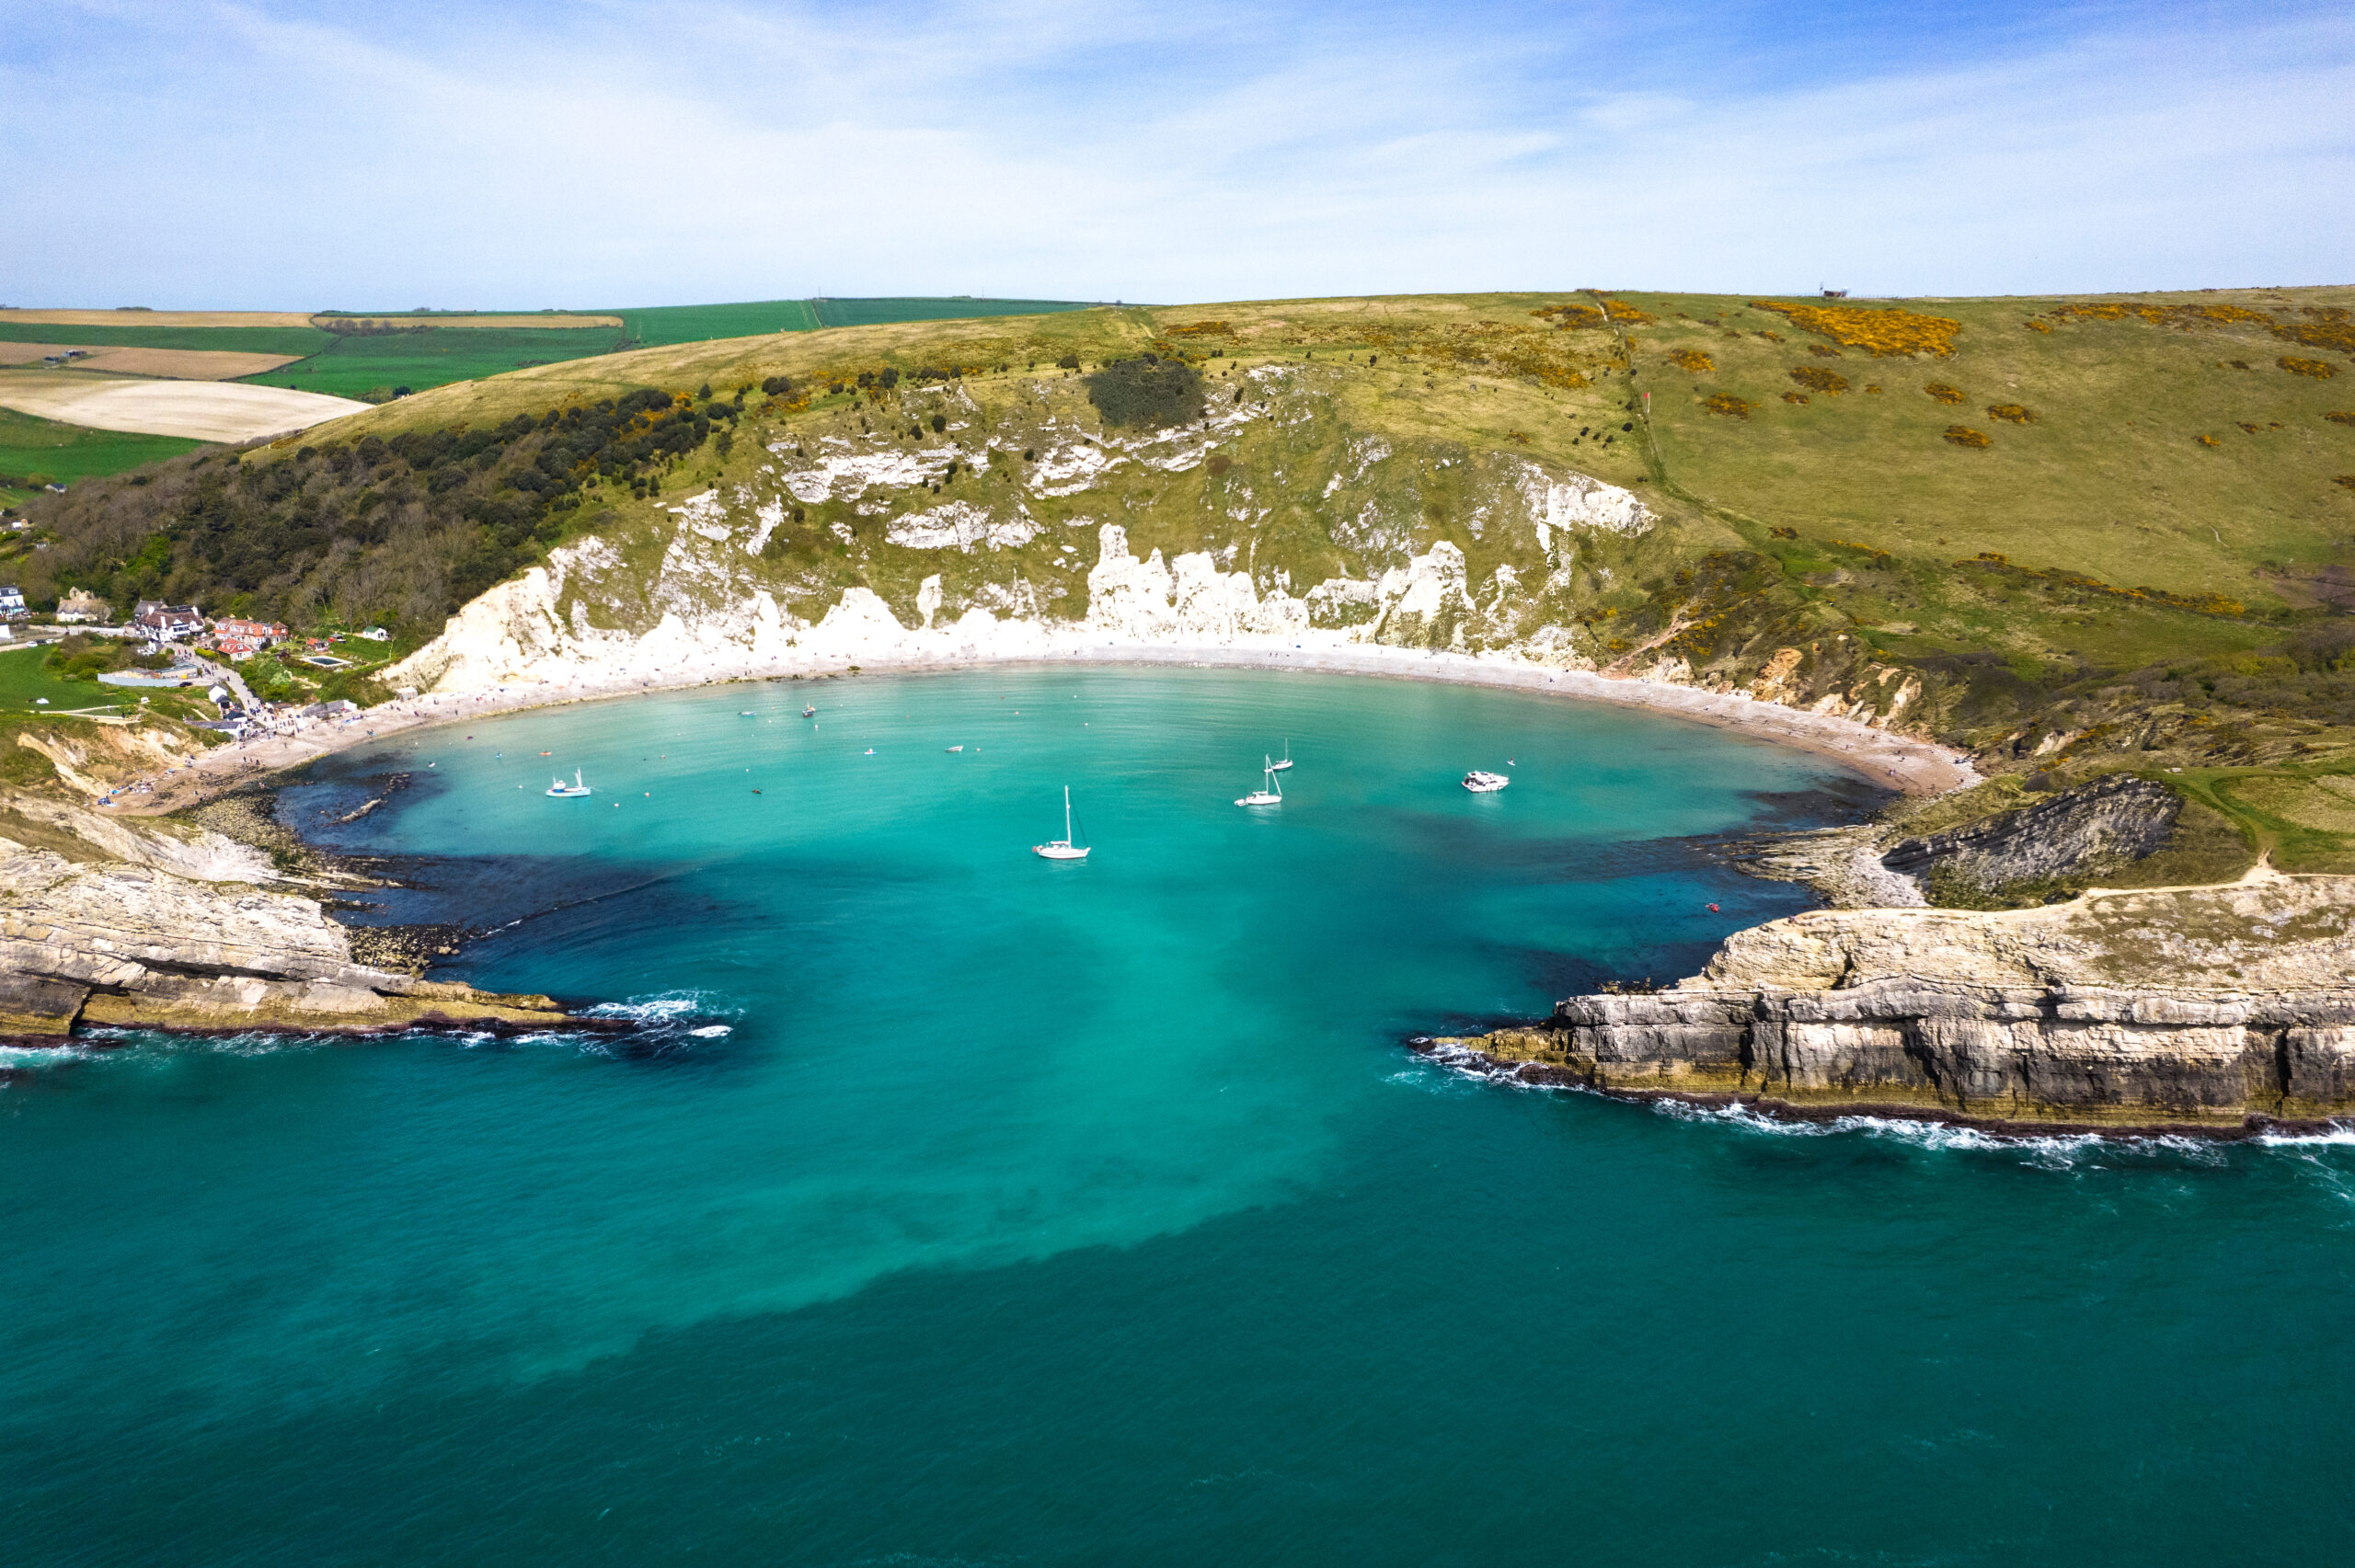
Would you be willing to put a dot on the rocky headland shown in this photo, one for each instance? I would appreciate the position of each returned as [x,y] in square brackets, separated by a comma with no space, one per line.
[177,928]
[2212,1009]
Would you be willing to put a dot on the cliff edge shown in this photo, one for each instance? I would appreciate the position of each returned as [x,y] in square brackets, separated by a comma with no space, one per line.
[105,922]
[2213,1009]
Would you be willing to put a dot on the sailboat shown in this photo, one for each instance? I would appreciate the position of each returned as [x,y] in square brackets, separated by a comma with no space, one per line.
[1283,763]
[1267,794]
[1062,848]
[564,791]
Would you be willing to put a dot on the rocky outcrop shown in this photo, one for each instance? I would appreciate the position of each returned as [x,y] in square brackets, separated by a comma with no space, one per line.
[2207,1009]
[124,934]
[2102,826]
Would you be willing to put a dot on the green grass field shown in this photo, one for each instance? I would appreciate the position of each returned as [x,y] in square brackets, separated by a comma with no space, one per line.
[24,678]
[348,367]
[232,339]
[661,326]
[657,326]
[31,448]
[883,311]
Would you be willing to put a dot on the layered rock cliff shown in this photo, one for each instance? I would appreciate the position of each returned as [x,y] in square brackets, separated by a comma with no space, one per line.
[105,922]
[2196,1008]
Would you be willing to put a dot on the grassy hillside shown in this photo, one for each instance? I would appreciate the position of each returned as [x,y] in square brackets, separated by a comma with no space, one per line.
[38,452]
[2088,534]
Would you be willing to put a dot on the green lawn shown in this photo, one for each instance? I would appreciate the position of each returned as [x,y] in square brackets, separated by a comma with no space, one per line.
[31,448]
[348,367]
[232,339]
[23,678]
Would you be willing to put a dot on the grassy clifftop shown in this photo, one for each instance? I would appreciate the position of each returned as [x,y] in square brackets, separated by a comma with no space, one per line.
[2084,534]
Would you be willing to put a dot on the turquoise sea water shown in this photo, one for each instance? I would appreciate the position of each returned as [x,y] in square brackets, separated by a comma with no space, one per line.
[951,1206]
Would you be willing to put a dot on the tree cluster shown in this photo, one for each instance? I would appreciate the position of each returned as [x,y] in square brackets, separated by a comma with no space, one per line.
[401,529]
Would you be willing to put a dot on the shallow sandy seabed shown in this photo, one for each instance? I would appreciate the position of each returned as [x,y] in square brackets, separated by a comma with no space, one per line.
[1900,762]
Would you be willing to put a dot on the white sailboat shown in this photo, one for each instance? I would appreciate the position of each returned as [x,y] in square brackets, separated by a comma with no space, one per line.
[564,791]
[1282,763]
[1062,848]
[1269,793]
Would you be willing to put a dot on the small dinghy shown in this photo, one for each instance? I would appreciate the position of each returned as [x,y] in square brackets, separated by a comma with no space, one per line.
[1480,783]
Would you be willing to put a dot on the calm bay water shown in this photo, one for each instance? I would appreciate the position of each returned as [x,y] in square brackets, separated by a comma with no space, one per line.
[949,1207]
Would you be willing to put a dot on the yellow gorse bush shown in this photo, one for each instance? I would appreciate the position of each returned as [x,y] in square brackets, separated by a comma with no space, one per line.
[1945,394]
[1725,403]
[1691,359]
[2321,370]
[1963,435]
[1879,332]
[1816,379]
[2011,413]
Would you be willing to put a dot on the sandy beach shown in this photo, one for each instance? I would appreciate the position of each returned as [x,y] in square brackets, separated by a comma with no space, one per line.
[1900,762]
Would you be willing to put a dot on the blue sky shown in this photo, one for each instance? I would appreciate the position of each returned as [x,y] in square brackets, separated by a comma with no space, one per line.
[306,156]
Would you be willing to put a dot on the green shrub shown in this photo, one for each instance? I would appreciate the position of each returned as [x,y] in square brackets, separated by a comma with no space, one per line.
[1147,392]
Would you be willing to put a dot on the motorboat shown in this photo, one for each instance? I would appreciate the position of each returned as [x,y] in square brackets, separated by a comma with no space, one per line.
[1480,783]
[1282,763]
[955,748]
[1269,793]
[564,791]
[1062,848]
[808,712]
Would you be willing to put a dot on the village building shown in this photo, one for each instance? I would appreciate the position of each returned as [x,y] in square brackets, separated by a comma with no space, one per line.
[162,623]
[262,633]
[78,607]
[12,603]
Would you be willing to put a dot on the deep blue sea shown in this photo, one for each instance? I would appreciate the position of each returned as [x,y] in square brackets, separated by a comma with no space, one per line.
[945,1206]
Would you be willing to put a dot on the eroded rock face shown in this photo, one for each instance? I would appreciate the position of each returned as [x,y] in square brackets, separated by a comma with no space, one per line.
[2197,1009]
[2107,823]
[139,941]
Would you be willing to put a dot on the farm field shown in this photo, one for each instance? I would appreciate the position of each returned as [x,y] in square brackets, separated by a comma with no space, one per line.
[884,311]
[292,341]
[199,410]
[477,321]
[655,327]
[355,366]
[33,450]
[143,319]
[172,364]
[663,326]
